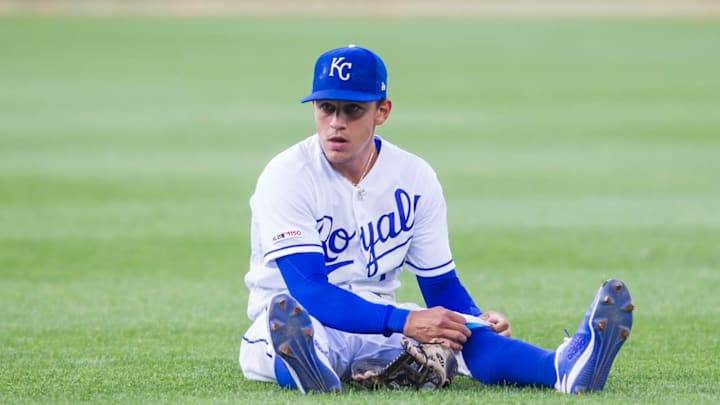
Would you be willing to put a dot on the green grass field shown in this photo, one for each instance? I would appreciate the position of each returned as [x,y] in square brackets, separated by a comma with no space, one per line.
[571,151]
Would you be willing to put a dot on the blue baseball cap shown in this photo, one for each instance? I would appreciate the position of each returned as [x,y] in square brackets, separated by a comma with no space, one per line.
[351,74]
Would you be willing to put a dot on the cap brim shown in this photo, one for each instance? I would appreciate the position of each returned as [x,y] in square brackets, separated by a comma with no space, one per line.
[345,95]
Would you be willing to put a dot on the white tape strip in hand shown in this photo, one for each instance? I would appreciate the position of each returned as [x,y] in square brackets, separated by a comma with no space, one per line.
[473,322]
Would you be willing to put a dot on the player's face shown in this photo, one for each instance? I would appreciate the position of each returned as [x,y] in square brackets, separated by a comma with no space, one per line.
[346,129]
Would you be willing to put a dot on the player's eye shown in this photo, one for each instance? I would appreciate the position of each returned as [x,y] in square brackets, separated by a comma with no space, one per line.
[352,110]
[327,108]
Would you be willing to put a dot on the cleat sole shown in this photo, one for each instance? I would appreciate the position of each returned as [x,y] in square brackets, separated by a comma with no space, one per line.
[291,332]
[617,324]
[600,336]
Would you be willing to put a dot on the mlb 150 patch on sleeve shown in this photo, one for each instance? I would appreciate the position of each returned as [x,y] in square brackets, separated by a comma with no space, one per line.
[294,234]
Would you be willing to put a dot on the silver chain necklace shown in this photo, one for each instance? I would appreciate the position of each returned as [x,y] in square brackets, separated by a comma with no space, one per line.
[360,190]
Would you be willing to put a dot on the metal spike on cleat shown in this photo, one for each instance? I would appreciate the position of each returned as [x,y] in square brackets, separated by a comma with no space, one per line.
[624,333]
[601,324]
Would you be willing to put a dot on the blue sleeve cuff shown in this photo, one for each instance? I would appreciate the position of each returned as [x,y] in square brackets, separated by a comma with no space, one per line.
[395,320]
[446,291]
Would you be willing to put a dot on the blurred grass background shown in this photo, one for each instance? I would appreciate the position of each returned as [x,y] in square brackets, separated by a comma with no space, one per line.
[571,150]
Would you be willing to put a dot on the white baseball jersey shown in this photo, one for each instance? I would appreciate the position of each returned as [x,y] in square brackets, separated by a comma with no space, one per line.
[394,219]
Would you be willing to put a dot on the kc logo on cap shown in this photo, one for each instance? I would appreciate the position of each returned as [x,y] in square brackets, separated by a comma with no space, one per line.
[339,66]
[352,73]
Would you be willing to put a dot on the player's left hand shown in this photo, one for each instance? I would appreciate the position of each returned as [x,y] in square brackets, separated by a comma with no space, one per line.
[498,322]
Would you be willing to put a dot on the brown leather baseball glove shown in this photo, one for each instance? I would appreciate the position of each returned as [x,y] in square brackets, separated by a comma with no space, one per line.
[419,366]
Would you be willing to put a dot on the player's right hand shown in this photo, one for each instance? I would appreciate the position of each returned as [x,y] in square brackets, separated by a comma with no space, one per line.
[437,325]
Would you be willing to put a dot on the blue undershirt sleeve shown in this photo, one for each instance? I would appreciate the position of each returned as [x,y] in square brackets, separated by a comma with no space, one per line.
[306,277]
[446,291]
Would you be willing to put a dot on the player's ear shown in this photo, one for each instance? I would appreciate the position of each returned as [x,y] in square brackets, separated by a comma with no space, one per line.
[383,111]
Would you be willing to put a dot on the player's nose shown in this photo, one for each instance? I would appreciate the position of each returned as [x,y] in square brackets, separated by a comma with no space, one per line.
[338,120]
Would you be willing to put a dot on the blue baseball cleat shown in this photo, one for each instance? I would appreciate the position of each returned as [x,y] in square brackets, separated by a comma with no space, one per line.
[291,331]
[582,363]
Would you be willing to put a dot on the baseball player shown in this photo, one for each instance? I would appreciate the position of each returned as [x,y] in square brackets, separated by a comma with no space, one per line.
[336,218]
